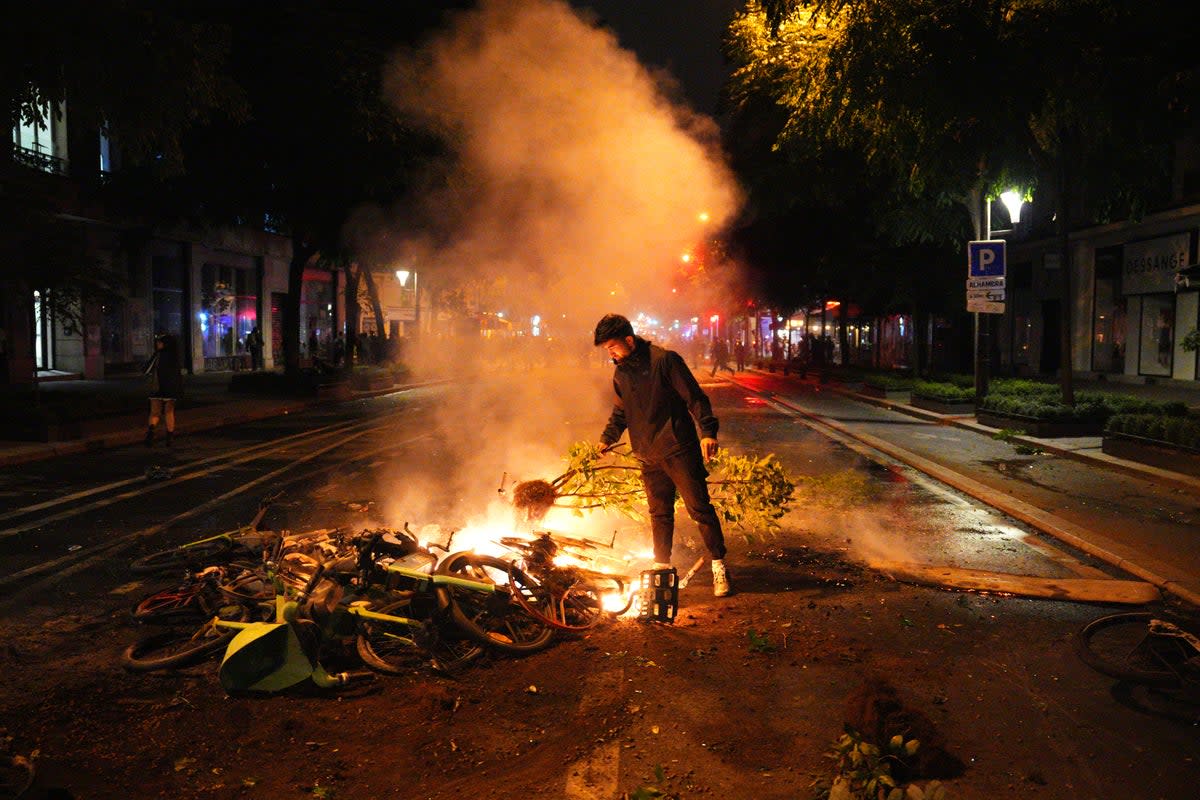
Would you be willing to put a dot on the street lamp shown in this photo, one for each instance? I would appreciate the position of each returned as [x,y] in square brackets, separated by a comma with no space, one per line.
[402,276]
[1013,201]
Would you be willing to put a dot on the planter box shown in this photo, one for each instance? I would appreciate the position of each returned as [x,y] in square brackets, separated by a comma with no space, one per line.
[943,406]
[871,390]
[1039,428]
[1173,457]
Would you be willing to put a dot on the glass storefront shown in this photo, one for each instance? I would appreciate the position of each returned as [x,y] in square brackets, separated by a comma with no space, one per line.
[316,312]
[228,308]
[1158,334]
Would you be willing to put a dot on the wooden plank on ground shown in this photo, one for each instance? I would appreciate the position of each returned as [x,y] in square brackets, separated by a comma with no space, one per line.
[1087,590]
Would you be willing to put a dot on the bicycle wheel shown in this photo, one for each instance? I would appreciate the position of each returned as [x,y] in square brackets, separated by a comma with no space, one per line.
[572,604]
[396,648]
[201,554]
[1122,647]
[16,776]
[493,619]
[173,606]
[182,646]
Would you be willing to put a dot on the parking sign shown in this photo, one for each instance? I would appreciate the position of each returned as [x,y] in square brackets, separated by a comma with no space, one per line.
[986,259]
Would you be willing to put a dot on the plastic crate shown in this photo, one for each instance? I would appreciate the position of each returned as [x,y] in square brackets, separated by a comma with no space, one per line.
[658,595]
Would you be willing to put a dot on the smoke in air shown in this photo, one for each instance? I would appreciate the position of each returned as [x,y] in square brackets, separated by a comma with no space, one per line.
[572,189]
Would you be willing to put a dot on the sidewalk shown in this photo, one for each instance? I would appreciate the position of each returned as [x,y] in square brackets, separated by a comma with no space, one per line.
[1082,448]
[207,404]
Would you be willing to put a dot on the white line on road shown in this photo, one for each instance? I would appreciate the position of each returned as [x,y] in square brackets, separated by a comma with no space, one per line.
[111,548]
[222,461]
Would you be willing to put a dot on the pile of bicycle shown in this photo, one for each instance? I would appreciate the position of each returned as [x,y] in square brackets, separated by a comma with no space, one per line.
[275,605]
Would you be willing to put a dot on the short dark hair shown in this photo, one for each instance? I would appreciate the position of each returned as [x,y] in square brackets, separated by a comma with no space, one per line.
[612,326]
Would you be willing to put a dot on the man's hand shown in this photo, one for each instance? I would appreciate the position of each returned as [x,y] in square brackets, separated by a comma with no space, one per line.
[603,447]
[708,448]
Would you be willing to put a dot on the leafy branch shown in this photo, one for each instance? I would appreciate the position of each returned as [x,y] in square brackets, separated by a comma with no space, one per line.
[748,492]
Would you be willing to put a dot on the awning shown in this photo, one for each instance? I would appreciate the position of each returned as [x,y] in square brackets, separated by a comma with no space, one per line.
[1188,277]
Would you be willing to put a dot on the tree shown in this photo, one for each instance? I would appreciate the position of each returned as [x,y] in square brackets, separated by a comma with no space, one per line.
[142,70]
[950,101]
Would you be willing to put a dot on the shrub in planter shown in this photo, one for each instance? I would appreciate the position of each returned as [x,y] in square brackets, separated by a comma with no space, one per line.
[944,392]
[889,382]
[1024,387]
[959,379]
[1041,401]
[1180,430]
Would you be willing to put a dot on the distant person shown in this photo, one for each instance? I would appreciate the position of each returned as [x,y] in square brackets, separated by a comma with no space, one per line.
[697,351]
[659,402]
[739,355]
[254,346]
[720,356]
[803,357]
[164,367]
[339,350]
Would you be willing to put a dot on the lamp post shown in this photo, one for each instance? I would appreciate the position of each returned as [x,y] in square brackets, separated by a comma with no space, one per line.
[402,275]
[1012,200]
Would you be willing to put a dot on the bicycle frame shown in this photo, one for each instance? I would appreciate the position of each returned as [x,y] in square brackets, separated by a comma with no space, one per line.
[294,662]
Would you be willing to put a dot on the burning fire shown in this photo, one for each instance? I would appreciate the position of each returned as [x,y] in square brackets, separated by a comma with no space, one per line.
[493,536]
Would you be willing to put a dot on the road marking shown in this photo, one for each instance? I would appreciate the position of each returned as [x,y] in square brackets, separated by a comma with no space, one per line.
[25,510]
[113,547]
[259,453]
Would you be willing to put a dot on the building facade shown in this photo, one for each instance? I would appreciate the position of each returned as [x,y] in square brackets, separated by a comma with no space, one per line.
[209,287]
[1129,312]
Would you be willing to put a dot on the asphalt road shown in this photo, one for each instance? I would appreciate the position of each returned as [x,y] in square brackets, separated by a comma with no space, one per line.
[996,672]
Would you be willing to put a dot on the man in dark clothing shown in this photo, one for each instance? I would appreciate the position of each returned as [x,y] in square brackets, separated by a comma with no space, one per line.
[720,355]
[660,403]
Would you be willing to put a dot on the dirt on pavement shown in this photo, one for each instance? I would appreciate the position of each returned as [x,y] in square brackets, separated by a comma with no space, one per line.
[741,697]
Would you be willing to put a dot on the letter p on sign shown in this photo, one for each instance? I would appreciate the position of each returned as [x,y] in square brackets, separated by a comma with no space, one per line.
[986,259]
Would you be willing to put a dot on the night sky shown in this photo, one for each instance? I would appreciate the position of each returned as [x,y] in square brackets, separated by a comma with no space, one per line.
[682,36]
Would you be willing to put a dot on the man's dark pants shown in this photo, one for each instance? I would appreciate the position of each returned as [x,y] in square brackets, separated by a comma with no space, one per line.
[683,472]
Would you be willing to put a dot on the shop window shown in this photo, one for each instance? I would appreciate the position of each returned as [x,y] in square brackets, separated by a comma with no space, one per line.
[1158,334]
[228,309]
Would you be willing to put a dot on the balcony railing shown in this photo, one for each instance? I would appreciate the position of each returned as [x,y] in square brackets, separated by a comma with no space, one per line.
[40,161]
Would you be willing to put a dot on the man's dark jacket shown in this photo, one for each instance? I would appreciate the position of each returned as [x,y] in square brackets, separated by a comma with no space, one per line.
[657,399]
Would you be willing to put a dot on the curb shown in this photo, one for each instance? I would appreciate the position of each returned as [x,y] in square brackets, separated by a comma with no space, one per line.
[1073,535]
[40,451]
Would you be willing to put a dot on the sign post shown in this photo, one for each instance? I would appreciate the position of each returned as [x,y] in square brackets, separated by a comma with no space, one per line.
[987,267]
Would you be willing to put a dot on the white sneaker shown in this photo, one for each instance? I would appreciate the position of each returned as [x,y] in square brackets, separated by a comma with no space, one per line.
[721,586]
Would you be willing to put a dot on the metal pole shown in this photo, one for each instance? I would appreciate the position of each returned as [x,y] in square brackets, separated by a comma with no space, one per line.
[981,320]
[416,308]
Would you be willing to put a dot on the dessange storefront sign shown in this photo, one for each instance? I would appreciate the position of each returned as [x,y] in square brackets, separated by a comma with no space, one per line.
[1150,266]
